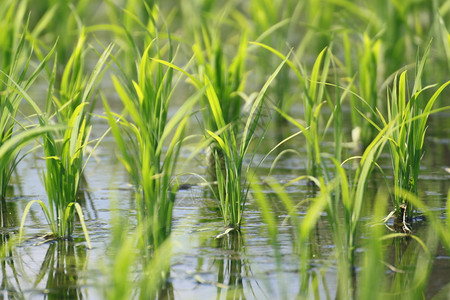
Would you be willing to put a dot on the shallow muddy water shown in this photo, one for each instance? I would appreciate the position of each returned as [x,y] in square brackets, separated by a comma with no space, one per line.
[240,266]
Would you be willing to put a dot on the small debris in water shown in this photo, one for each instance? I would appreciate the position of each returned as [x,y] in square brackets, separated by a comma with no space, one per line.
[203,281]
[224,233]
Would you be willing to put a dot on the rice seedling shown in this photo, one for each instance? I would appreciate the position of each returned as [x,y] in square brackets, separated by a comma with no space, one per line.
[15,76]
[62,267]
[222,128]
[345,197]
[313,99]
[227,79]
[227,82]
[143,139]
[232,184]
[410,112]
[65,149]
[10,55]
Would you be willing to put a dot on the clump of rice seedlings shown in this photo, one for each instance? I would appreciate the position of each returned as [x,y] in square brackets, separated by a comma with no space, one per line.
[11,61]
[313,95]
[410,113]
[65,149]
[15,79]
[232,184]
[227,81]
[342,197]
[223,87]
[232,146]
[149,141]
[345,199]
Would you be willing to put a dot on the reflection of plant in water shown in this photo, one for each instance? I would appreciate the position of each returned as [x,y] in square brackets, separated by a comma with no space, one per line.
[10,283]
[231,268]
[414,266]
[303,231]
[131,272]
[397,264]
[61,266]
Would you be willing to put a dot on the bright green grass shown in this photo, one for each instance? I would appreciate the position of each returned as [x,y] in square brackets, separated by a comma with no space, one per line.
[379,39]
